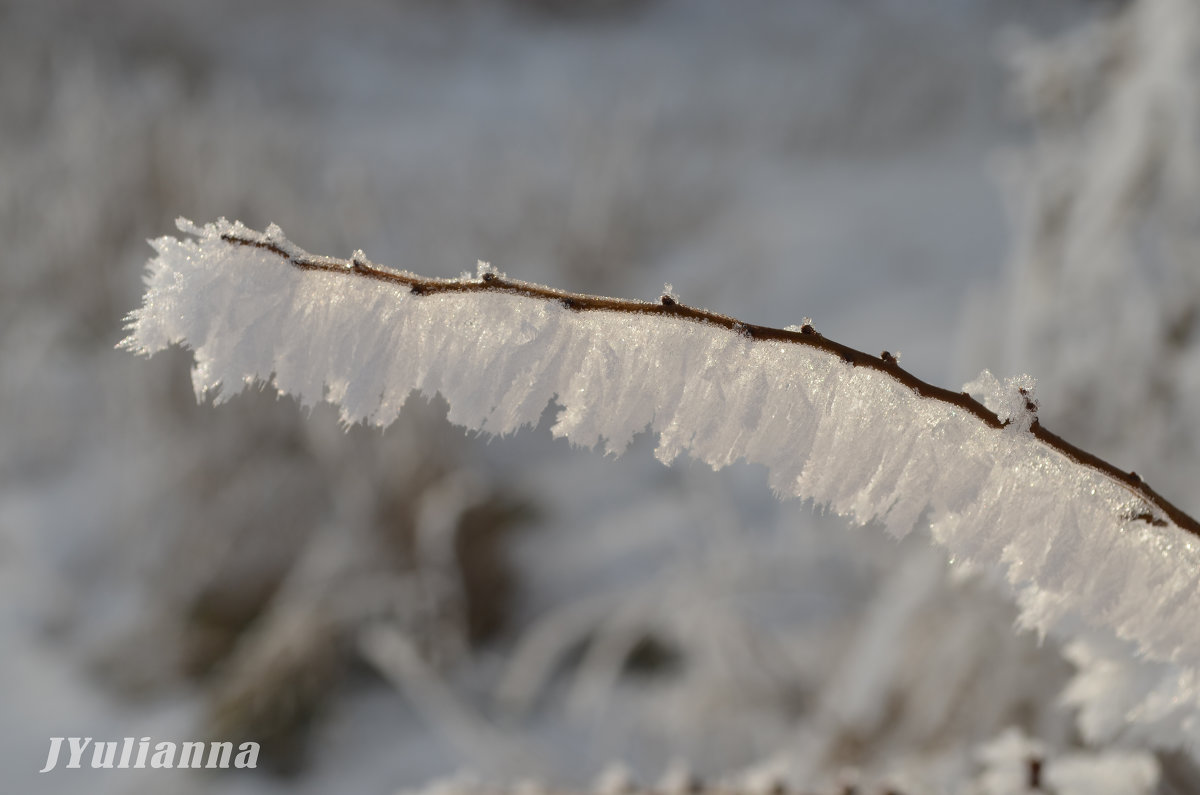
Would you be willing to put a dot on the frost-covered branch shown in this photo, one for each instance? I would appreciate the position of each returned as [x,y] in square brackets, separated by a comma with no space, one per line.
[1082,543]
[489,280]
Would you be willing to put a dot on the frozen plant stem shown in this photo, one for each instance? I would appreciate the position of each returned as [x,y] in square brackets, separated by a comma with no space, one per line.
[359,266]
[1082,545]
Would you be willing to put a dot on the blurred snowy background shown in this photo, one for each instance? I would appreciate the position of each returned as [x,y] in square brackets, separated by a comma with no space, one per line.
[997,183]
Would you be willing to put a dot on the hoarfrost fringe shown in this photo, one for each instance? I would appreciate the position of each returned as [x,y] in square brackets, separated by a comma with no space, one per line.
[1081,543]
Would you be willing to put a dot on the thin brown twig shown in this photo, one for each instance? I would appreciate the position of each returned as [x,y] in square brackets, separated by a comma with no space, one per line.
[359,266]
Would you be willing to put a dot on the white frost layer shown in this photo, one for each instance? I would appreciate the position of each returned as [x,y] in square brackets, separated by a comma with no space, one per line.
[852,438]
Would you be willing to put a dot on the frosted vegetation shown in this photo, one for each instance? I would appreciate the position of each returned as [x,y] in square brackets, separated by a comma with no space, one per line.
[1101,291]
[383,608]
[1080,550]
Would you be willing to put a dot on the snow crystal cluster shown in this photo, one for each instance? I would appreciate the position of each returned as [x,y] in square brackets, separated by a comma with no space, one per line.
[1064,536]
[1012,401]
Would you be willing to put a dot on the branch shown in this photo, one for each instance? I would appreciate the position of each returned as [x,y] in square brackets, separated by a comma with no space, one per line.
[1081,543]
[359,266]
